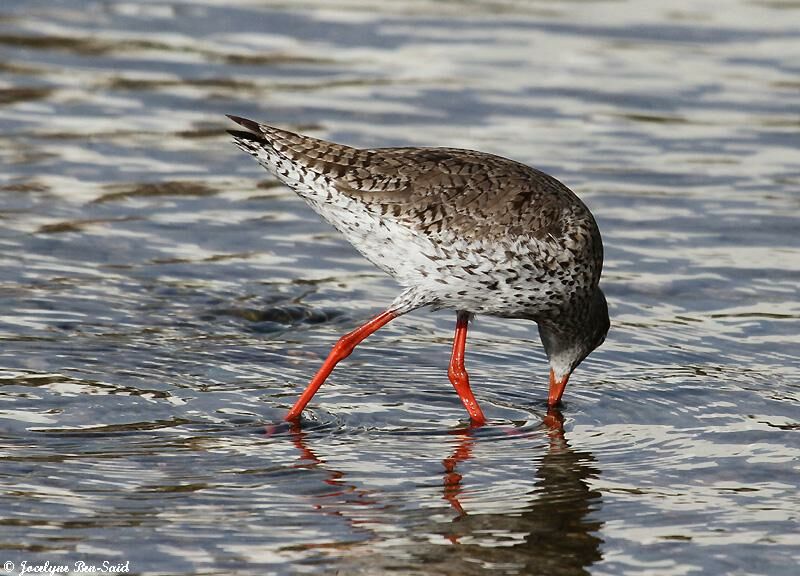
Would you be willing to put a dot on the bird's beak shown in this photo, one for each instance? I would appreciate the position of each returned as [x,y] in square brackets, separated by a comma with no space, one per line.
[556,389]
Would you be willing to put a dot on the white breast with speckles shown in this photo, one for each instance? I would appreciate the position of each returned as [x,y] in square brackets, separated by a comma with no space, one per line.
[479,277]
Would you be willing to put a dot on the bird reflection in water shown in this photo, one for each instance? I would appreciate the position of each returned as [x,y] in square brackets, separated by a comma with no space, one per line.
[553,533]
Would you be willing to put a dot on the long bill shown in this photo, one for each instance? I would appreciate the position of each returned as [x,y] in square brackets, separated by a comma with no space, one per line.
[557,387]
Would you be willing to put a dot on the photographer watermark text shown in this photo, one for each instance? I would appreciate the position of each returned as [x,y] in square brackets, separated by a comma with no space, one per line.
[54,568]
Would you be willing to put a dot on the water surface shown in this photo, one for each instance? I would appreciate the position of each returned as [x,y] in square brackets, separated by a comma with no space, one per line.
[164,300]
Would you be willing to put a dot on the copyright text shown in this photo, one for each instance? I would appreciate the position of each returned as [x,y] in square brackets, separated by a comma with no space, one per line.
[79,567]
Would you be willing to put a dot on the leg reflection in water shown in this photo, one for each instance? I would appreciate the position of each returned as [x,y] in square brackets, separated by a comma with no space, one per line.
[527,510]
[554,535]
[452,479]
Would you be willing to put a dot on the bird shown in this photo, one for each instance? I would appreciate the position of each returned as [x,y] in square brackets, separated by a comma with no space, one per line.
[458,229]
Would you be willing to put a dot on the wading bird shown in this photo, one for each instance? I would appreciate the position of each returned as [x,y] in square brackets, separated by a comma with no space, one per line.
[458,229]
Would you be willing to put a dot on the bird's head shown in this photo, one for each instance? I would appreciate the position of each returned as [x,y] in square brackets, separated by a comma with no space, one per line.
[569,340]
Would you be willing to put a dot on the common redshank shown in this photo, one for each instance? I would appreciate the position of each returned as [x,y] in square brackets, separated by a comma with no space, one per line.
[458,229]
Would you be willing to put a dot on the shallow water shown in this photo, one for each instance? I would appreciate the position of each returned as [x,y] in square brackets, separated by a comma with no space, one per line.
[164,300]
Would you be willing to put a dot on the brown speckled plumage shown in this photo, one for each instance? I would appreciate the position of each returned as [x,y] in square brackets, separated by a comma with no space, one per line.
[457,228]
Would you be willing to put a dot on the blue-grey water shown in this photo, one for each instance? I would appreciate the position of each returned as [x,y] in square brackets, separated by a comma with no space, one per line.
[164,300]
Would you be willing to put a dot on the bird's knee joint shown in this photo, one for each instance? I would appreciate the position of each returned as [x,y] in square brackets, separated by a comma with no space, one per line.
[457,373]
[342,349]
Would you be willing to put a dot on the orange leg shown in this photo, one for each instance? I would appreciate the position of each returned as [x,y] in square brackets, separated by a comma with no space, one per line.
[458,373]
[340,351]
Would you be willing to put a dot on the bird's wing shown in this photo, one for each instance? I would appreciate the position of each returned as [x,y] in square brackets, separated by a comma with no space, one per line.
[429,189]
[474,193]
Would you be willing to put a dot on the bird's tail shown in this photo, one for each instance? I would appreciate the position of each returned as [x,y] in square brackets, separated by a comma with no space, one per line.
[308,165]
[269,146]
